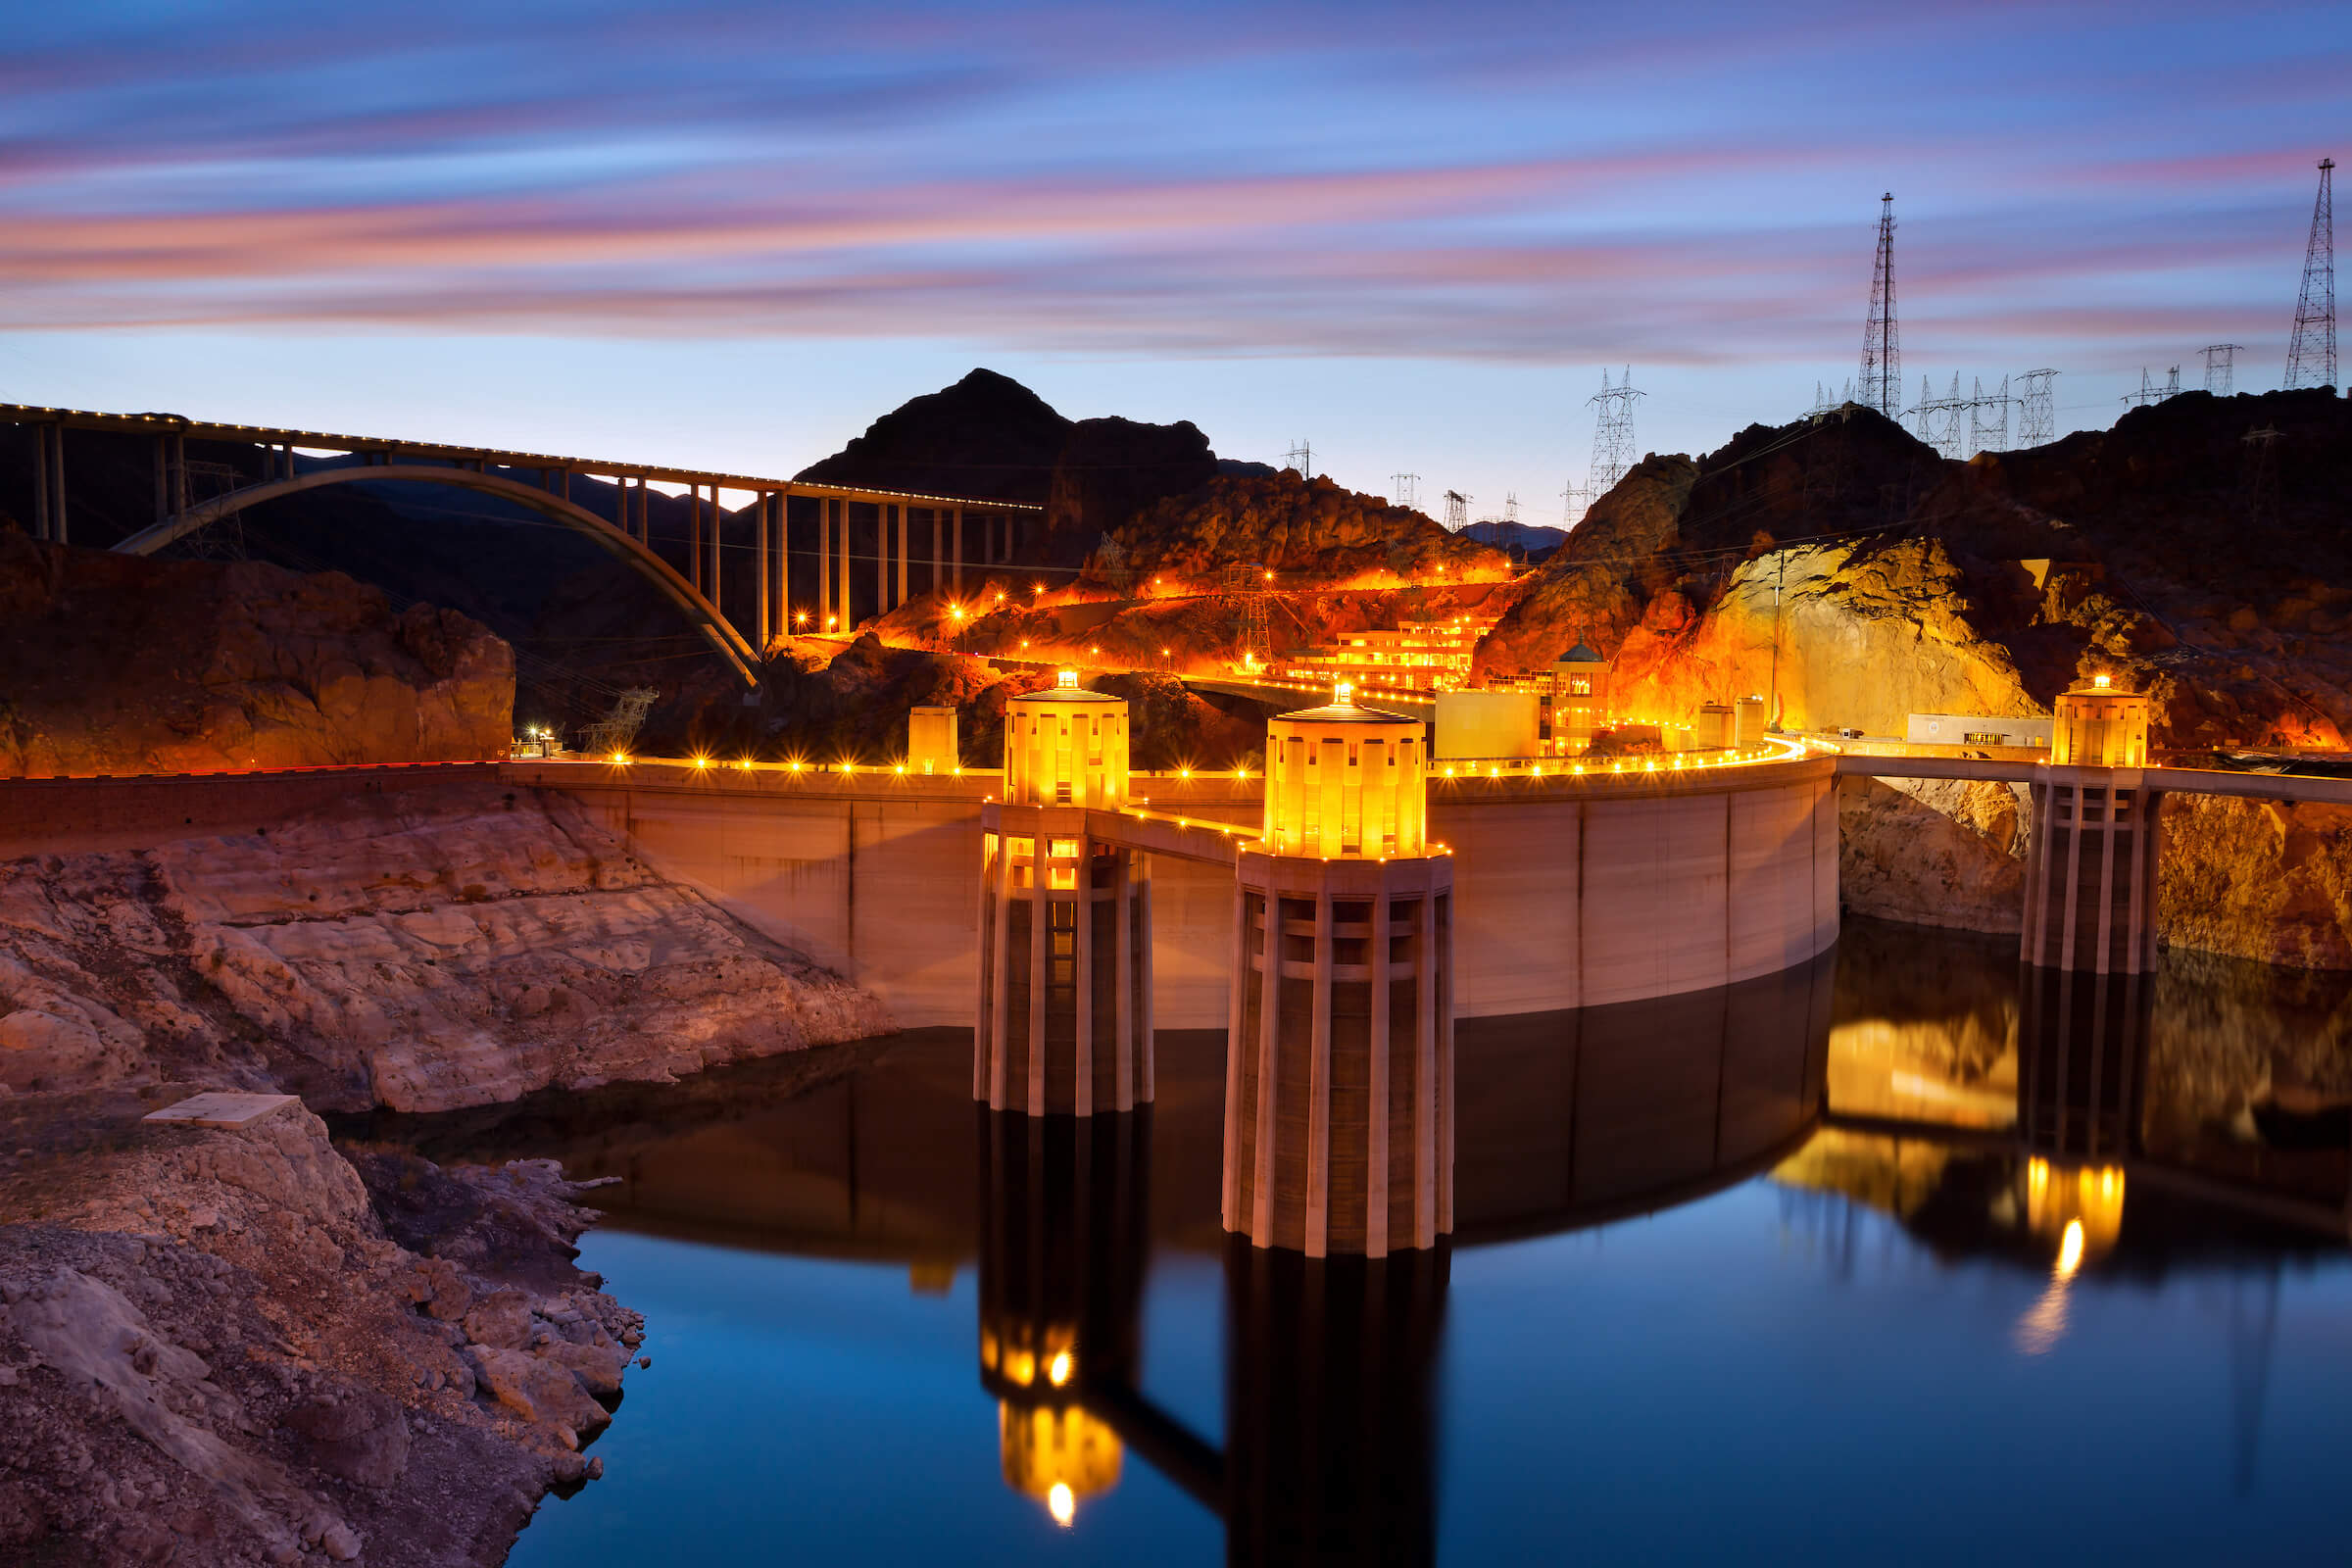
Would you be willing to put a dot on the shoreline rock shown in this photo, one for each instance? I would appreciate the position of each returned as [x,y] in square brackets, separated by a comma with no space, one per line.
[418,951]
[216,1347]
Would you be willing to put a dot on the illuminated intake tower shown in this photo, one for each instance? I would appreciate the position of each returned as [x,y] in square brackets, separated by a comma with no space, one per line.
[1339,1085]
[2090,880]
[1066,921]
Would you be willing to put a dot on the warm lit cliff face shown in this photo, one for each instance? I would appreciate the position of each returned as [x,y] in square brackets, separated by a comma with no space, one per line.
[2212,573]
[120,665]
[1297,528]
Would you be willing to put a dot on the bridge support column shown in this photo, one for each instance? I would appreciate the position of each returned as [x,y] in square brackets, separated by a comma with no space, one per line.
[881,559]
[760,507]
[959,550]
[939,551]
[717,519]
[905,516]
[843,607]
[2090,883]
[1339,1118]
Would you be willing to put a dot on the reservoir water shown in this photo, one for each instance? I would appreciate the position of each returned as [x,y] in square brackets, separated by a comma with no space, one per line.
[1906,1255]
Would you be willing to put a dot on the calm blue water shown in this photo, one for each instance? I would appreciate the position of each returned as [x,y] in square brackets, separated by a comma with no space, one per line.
[1686,1320]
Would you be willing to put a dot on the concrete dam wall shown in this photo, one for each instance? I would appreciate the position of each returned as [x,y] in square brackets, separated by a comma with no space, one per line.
[1569,893]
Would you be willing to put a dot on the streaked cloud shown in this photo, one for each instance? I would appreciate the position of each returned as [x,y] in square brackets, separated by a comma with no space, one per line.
[1693,185]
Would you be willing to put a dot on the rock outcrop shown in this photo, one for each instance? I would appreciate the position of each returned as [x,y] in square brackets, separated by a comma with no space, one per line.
[418,951]
[2197,549]
[2242,879]
[214,1351]
[122,664]
[988,436]
[1308,528]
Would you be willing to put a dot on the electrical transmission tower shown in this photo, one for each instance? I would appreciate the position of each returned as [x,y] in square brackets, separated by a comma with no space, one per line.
[1939,417]
[1575,502]
[1612,432]
[2311,358]
[1407,487]
[1457,511]
[1510,506]
[2037,410]
[1248,583]
[1881,386]
[2220,367]
[1302,458]
[1989,420]
[2149,392]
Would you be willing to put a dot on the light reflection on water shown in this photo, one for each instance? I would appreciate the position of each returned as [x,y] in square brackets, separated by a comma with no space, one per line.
[1902,1257]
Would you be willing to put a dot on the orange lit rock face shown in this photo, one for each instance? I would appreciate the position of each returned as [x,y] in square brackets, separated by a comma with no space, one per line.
[120,665]
[456,946]
[1302,530]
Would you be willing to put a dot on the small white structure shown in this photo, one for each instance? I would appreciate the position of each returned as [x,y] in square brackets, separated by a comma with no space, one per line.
[1486,724]
[931,740]
[1976,729]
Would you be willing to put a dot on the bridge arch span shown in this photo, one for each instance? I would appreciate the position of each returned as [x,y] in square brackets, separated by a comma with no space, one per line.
[724,639]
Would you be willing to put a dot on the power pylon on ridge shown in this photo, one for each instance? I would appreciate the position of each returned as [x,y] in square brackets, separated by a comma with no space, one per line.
[1248,584]
[1989,420]
[2311,356]
[1407,488]
[1457,511]
[1940,423]
[1881,385]
[2149,392]
[1302,458]
[1612,432]
[1510,506]
[2220,367]
[1575,502]
[2037,410]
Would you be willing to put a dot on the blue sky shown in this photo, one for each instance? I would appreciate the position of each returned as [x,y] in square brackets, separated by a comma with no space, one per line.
[731,234]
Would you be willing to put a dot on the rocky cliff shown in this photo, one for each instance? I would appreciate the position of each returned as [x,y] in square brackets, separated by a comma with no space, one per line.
[420,951]
[225,1345]
[2197,548]
[1294,527]
[120,665]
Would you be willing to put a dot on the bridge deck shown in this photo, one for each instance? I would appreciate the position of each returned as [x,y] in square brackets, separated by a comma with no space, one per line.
[385,447]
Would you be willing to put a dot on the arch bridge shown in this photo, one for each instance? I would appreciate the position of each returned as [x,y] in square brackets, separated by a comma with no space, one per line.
[615,511]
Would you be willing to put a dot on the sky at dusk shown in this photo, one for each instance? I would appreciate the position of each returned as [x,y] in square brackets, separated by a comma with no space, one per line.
[731,235]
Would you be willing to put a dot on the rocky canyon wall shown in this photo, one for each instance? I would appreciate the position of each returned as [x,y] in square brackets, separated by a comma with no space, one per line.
[454,945]
[121,665]
[2244,879]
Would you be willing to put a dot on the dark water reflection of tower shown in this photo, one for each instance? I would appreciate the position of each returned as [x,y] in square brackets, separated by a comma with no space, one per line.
[1064,1239]
[1329,1399]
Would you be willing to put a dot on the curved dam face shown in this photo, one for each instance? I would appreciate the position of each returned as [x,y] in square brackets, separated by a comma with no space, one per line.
[1568,892]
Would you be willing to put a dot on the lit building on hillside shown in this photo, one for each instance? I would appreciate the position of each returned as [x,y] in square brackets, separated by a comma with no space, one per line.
[1417,655]
[1572,700]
